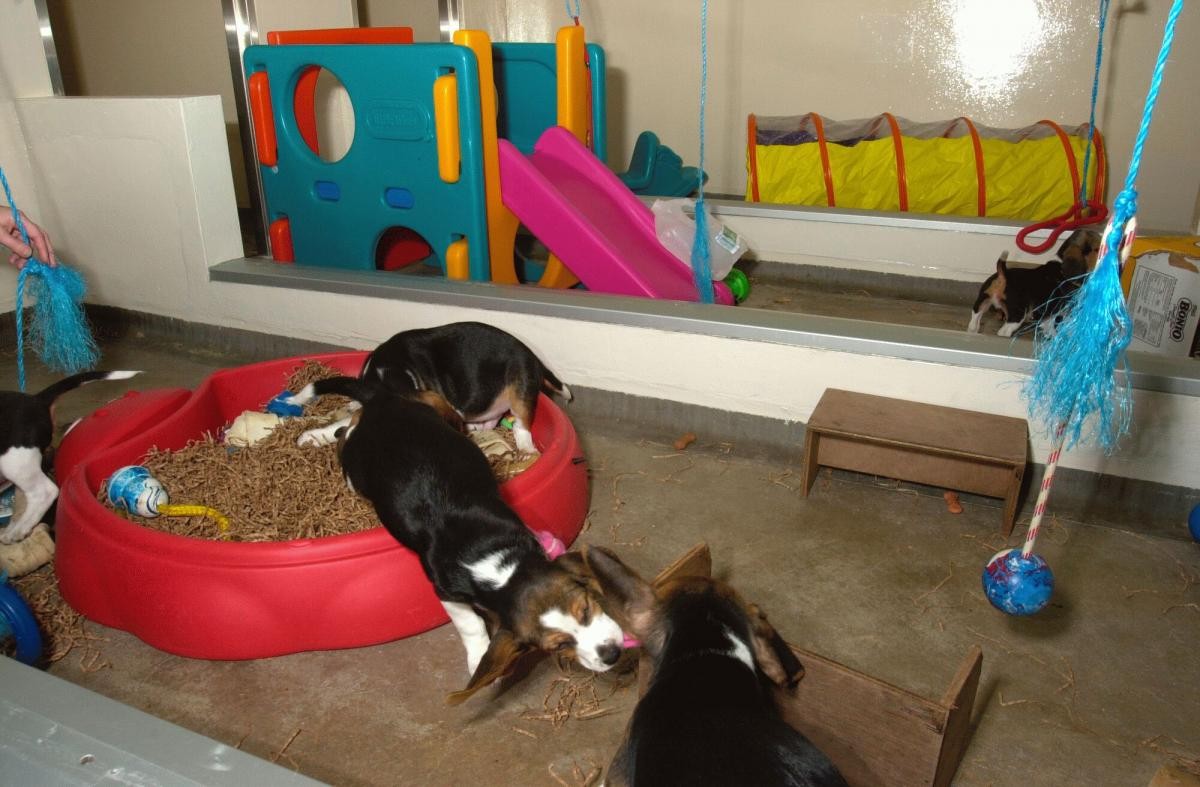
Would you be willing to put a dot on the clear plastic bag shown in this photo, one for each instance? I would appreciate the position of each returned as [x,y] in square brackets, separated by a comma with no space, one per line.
[676,229]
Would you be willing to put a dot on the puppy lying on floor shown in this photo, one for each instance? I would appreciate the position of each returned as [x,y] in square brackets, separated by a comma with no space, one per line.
[26,431]
[482,371]
[434,491]
[709,715]
[1036,295]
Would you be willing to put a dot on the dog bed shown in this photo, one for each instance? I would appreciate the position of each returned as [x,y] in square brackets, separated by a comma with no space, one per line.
[227,600]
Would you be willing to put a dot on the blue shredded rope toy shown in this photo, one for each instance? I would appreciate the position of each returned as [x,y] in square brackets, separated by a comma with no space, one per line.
[1081,371]
[701,255]
[58,327]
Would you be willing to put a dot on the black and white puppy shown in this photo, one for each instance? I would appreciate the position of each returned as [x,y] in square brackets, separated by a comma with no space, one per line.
[26,431]
[709,715]
[482,371]
[1036,295]
[434,491]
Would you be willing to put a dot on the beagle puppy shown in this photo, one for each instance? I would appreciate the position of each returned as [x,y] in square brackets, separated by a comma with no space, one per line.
[26,431]
[434,491]
[709,715]
[482,371]
[1028,295]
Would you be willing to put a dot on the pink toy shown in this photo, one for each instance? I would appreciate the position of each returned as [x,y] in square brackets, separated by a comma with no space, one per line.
[591,221]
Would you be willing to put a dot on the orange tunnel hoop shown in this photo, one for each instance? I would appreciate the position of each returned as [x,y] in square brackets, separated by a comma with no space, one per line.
[826,170]
[751,150]
[901,173]
[980,174]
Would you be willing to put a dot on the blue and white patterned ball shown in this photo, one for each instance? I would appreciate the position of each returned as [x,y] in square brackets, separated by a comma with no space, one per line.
[1018,585]
[133,489]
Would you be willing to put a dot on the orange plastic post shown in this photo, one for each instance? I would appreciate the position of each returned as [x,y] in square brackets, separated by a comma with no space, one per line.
[570,54]
[280,233]
[445,123]
[343,35]
[574,114]
[264,121]
[502,224]
[457,261]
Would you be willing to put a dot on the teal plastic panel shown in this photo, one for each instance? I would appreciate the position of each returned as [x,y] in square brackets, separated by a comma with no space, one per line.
[389,176]
[527,91]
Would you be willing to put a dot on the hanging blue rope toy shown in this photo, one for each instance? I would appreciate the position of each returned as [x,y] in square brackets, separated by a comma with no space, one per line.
[58,328]
[1075,382]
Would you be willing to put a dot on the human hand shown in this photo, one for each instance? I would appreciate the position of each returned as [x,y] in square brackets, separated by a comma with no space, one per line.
[10,238]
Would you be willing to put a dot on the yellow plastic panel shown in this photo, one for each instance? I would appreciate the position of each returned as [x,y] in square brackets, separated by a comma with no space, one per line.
[445,122]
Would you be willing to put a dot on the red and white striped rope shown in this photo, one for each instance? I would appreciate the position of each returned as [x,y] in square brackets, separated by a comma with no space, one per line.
[1039,509]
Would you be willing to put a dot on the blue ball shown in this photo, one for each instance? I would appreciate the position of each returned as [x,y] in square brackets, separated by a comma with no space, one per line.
[1194,522]
[1018,585]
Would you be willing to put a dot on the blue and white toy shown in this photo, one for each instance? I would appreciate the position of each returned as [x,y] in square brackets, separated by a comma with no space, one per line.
[133,489]
[1017,584]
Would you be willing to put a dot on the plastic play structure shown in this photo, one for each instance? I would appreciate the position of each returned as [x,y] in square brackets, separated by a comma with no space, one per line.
[423,175]
[228,600]
[953,167]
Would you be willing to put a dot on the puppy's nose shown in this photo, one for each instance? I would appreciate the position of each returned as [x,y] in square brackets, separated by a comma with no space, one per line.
[609,653]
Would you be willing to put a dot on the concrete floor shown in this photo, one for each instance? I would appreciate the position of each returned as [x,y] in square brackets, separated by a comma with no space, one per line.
[1100,688]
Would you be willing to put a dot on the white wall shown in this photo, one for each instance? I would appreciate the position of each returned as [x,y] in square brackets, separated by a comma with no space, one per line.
[23,74]
[1005,64]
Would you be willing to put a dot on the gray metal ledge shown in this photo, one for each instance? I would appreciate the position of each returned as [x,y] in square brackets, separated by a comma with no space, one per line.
[1148,372]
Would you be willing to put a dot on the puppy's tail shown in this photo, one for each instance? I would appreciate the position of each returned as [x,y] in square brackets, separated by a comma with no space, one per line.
[1002,263]
[552,384]
[49,394]
[355,388]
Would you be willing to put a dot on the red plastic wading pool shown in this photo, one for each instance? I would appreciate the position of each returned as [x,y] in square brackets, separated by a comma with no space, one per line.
[219,600]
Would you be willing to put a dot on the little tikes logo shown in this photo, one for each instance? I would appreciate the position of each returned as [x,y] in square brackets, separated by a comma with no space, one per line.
[1178,318]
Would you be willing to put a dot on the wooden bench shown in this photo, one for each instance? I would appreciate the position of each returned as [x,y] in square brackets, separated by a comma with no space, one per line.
[923,443]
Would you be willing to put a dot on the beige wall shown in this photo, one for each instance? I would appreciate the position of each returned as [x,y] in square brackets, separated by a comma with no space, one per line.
[1008,63]
[23,74]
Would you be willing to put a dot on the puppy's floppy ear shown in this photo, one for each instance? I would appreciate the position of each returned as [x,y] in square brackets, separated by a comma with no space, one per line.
[774,656]
[502,655]
[629,597]
[576,566]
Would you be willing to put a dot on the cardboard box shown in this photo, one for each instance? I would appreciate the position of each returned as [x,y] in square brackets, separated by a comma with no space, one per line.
[1162,280]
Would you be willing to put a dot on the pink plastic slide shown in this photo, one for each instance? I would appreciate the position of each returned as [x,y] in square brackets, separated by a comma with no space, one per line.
[591,221]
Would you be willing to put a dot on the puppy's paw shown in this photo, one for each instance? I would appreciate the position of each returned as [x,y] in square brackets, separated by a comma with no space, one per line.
[524,439]
[303,397]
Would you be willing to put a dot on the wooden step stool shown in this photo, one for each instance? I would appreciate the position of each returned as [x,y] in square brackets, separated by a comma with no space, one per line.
[924,443]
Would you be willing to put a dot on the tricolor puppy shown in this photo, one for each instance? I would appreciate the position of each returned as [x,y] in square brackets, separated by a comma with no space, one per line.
[434,491]
[1036,295]
[482,371]
[709,715]
[26,431]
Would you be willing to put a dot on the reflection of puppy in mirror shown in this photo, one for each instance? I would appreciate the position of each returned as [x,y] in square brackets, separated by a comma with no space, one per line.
[1026,295]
